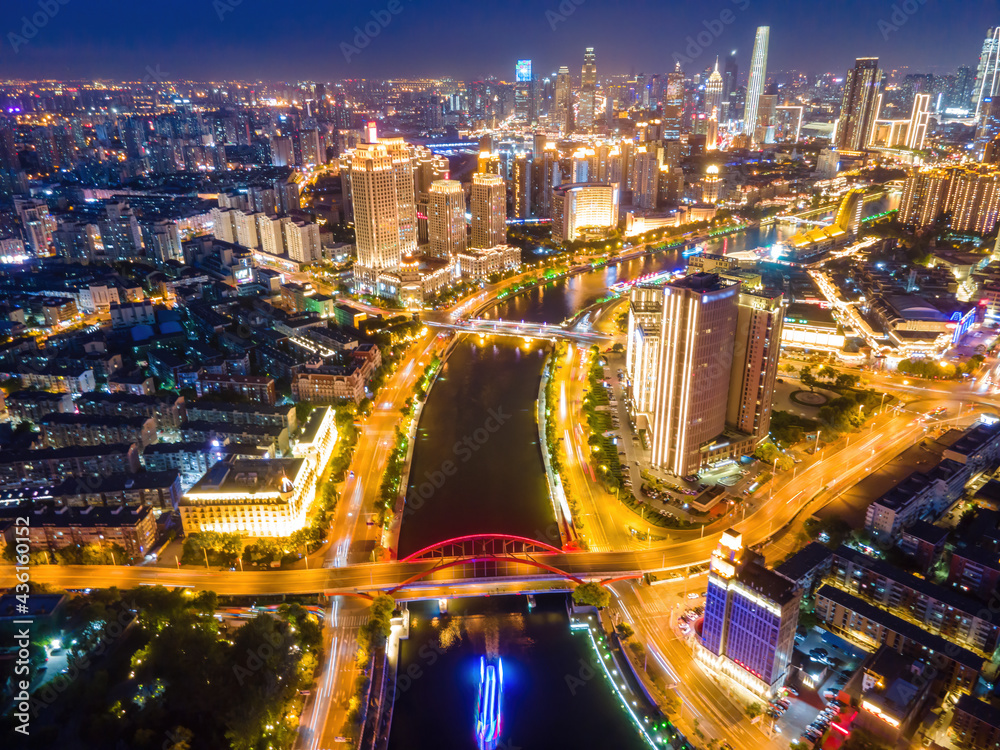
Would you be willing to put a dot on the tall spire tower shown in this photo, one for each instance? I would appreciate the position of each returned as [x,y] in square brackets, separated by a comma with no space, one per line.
[758,76]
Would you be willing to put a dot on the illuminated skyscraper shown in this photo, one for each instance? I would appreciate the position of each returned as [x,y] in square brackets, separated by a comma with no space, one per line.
[524,92]
[703,358]
[758,76]
[564,98]
[713,91]
[489,211]
[919,119]
[385,219]
[673,103]
[730,89]
[989,126]
[646,179]
[859,108]
[446,219]
[520,184]
[988,77]
[751,614]
[588,89]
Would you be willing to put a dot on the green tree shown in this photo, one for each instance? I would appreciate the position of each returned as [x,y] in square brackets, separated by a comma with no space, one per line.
[754,710]
[592,594]
[828,373]
[624,630]
[808,379]
[846,380]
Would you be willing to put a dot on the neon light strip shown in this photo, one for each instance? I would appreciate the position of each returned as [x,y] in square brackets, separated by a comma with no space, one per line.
[618,689]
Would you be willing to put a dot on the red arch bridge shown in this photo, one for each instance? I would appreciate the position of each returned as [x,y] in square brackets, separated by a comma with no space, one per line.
[474,565]
[508,562]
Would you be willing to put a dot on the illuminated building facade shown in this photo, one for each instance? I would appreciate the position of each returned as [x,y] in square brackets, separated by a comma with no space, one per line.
[859,108]
[751,614]
[446,219]
[919,119]
[482,263]
[262,497]
[382,194]
[755,362]
[580,209]
[988,75]
[251,497]
[524,92]
[970,193]
[713,91]
[489,211]
[702,359]
[588,89]
[673,103]
[564,99]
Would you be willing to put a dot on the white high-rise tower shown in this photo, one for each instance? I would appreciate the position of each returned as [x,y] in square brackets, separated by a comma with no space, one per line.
[489,211]
[385,217]
[988,77]
[446,219]
[758,76]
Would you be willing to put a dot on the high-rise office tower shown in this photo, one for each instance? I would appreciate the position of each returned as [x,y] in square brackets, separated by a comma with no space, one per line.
[524,92]
[960,94]
[428,168]
[489,211]
[751,614]
[680,357]
[564,98]
[588,89]
[702,358]
[760,318]
[989,126]
[489,163]
[767,115]
[859,108]
[758,77]
[520,186]
[730,88]
[446,219]
[385,219]
[919,118]
[673,103]
[646,181]
[988,77]
[713,91]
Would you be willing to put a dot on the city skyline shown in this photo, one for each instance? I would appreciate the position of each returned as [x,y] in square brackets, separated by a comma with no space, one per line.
[235,39]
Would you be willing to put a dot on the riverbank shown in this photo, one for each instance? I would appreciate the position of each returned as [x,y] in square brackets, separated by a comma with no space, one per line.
[557,491]
[610,659]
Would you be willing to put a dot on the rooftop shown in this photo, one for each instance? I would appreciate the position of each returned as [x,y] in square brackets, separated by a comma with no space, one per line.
[248,476]
[949,596]
[805,561]
[933,643]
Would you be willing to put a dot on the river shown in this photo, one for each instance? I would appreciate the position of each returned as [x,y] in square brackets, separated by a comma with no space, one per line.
[477,468]
[555,695]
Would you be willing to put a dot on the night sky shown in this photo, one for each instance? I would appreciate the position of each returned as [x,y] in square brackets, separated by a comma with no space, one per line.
[301,39]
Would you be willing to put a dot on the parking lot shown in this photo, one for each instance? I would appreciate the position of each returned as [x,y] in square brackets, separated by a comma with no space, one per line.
[667,495]
[822,665]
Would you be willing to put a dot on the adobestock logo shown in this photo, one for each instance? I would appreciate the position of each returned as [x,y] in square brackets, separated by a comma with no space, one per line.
[30,26]
[363,35]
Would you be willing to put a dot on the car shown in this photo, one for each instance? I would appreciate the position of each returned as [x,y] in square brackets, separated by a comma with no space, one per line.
[694,595]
